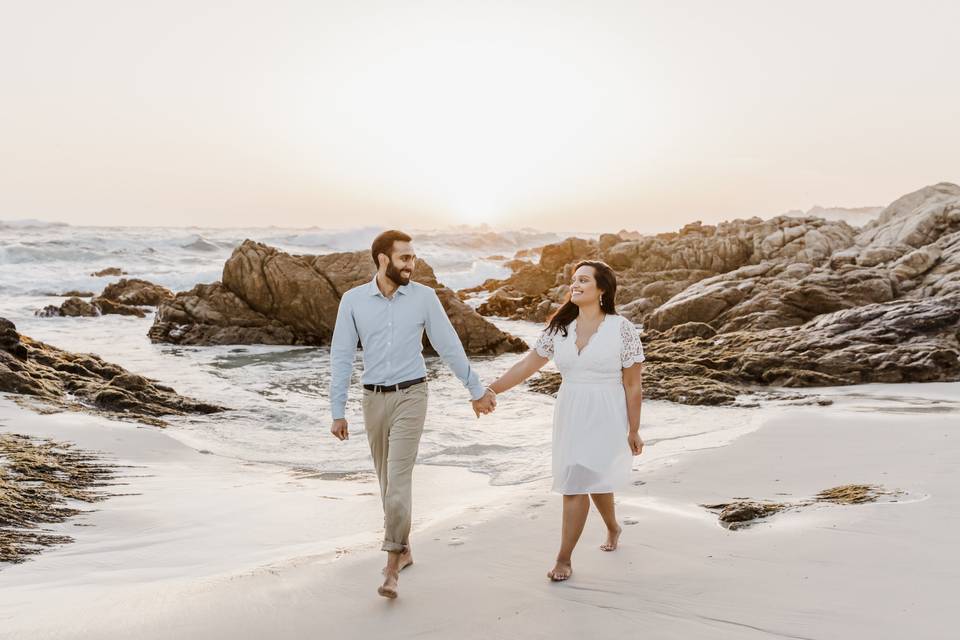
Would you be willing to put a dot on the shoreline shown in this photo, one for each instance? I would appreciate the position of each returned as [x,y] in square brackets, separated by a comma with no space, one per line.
[271,554]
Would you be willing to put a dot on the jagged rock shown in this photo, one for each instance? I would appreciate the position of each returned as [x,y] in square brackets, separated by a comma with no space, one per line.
[75,307]
[790,301]
[661,266]
[73,293]
[106,306]
[10,339]
[506,303]
[897,341]
[134,291]
[916,219]
[873,256]
[554,257]
[690,330]
[768,295]
[85,381]
[883,265]
[212,314]
[271,297]
[109,271]
[943,278]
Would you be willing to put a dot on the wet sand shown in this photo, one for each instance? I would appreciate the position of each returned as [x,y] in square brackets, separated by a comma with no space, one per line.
[212,548]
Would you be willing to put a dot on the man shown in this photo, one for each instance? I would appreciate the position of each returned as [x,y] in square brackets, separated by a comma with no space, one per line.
[388,316]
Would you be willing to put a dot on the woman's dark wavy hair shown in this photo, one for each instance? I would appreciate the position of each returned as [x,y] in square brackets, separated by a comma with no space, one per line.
[606,282]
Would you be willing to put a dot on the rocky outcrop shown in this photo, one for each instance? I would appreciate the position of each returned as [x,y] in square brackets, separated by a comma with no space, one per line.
[271,297]
[212,314]
[786,302]
[85,381]
[121,298]
[911,250]
[136,292]
[76,307]
[897,341]
[653,269]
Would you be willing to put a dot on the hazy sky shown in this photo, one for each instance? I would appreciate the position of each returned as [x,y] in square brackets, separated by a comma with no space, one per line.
[567,115]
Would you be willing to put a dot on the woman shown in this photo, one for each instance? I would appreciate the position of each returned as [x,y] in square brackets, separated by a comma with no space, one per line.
[596,419]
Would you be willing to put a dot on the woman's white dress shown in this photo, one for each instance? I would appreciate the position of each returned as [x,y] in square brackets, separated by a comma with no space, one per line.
[590,449]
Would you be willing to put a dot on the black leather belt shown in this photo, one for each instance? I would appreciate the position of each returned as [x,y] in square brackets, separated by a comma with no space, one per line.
[379,388]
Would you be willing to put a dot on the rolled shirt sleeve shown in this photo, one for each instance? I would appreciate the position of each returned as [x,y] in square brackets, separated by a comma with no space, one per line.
[447,344]
[343,352]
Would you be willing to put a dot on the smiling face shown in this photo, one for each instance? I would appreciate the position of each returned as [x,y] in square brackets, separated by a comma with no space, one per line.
[583,287]
[401,264]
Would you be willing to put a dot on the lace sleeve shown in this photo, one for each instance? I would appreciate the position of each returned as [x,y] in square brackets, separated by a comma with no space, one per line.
[631,350]
[544,344]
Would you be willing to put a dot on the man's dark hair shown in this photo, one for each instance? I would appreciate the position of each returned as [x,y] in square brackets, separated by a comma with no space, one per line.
[383,243]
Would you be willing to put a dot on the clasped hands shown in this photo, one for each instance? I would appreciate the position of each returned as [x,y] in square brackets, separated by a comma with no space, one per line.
[486,404]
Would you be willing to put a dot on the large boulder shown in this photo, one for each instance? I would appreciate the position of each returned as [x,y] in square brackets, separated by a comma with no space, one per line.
[271,297]
[137,292]
[211,314]
[85,381]
[916,219]
[773,295]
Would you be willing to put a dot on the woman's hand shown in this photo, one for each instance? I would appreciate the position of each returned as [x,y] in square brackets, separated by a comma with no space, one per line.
[635,442]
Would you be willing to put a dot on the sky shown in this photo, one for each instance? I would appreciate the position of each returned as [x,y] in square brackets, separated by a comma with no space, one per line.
[590,116]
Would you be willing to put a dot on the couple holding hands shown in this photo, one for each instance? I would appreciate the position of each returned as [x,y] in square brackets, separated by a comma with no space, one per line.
[596,417]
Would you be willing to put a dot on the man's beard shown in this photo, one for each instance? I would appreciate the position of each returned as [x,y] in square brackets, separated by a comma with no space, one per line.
[398,278]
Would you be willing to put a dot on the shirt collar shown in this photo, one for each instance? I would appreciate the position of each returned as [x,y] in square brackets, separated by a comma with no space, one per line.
[375,289]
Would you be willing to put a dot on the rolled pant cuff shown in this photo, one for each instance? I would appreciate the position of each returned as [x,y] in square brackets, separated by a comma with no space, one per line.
[393,547]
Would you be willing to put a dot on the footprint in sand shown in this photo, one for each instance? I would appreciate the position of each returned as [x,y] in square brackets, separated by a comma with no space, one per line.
[629,521]
[455,542]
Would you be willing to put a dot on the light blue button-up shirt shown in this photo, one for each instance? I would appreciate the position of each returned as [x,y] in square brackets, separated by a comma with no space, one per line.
[391,332]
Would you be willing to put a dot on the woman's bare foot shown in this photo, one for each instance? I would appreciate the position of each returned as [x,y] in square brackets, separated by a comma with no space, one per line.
[613,538]
[389,587]
[560,572]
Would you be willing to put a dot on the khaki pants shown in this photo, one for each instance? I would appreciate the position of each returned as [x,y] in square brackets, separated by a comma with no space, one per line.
[394,424]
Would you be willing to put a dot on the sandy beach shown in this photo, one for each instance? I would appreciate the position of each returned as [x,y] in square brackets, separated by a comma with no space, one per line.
[212,548]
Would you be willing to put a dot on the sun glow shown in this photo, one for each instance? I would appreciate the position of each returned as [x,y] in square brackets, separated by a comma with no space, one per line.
[475,128]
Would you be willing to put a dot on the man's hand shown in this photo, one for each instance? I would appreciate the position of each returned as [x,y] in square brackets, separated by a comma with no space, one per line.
[339,429]
[635,442]
[485,404]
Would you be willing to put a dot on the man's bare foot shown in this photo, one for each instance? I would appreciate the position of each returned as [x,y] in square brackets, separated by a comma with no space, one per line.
[405,560]
[560,572]
[389,587]
[613,538]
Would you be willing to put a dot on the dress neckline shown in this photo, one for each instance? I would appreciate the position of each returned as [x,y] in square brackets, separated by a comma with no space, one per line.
[592,335]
